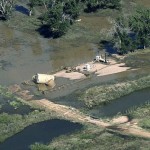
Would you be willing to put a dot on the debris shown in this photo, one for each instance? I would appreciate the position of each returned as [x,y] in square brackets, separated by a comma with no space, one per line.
[87,67]
[70,69]
[78,20]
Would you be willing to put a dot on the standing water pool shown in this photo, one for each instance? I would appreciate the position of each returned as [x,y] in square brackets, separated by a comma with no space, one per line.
[42,132]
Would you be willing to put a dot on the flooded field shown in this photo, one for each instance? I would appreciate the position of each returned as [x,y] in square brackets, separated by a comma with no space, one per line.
[10,106]
[24,53]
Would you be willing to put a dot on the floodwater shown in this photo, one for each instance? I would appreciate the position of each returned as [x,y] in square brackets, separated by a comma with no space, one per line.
[145,3]
[5,107]
[123,104]
[60,95]
[42,132]
[22,55]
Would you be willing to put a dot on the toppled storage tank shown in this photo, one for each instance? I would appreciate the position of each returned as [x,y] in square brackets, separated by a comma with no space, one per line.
[43,78]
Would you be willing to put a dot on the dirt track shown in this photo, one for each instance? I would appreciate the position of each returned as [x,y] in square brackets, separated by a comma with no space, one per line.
[117,125]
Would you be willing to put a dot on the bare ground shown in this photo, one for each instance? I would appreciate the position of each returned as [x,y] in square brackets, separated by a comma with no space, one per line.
[100,69]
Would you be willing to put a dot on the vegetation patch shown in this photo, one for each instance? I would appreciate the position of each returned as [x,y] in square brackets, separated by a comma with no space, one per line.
[141,113]
[100,95]
[94,138]
[138,59]
[11,124]
[15,104]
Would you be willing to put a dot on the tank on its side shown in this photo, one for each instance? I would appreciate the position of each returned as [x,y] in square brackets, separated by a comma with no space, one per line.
[43,78]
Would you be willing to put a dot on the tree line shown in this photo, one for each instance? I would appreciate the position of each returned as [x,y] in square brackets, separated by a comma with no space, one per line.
[132,32]
[129,32]
[59,15]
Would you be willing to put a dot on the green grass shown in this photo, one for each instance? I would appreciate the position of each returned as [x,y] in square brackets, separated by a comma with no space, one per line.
[15,104]
[100,95]
[141,113]
[11,124]
[139,58]
[92,138]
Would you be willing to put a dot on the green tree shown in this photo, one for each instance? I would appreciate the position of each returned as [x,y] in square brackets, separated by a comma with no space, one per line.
[93,5]
[121,36]
[140,25]
[60,16]
[56,20]
[6,8]
[34,3]
[72,8]
[114,4]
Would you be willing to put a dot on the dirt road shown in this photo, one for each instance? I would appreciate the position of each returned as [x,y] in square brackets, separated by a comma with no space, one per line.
[69,113]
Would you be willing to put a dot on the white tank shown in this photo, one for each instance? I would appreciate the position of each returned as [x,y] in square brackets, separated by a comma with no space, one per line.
[88,67]
[98,58]
[43,78]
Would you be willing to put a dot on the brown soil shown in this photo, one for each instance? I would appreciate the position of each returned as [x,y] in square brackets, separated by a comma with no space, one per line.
[100,69]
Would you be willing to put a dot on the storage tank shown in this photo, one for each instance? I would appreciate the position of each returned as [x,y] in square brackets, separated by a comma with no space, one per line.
[42,78]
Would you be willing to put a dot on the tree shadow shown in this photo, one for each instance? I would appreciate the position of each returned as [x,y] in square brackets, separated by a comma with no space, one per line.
[22,9]
[109,46]
[91,9]
[45,31]
[2,18]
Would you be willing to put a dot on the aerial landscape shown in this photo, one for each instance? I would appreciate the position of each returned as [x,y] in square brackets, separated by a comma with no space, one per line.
[74,74]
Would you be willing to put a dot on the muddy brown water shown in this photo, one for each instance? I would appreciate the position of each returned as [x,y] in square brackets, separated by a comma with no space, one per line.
[24,55]
[145,3]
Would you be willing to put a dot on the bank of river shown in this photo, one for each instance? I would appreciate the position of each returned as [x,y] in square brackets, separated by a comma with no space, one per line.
[123,104]
[42,132]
